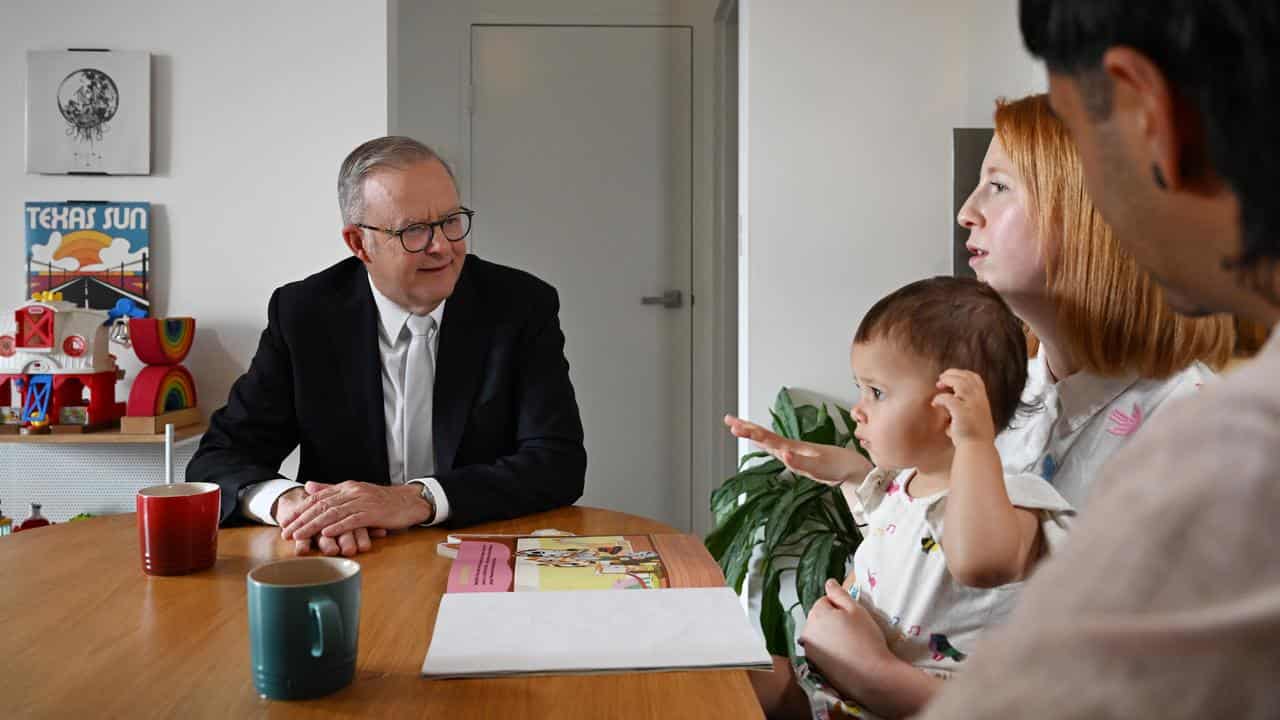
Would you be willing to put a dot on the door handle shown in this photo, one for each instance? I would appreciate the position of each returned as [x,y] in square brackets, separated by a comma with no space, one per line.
[670,299]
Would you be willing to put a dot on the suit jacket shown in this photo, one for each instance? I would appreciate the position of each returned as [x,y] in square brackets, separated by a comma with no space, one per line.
[508,436]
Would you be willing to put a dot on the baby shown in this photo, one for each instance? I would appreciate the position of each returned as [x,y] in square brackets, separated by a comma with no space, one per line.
[947,536]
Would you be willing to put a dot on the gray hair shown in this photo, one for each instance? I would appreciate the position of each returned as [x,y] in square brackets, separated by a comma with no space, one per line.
[393,151]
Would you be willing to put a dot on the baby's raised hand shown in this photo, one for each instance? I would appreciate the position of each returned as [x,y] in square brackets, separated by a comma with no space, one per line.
[964,396]
[827,464]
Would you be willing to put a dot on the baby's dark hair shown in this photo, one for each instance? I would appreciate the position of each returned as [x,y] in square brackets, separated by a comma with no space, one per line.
[957,323]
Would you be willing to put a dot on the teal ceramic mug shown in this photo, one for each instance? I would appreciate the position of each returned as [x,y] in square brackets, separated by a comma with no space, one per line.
[304,620]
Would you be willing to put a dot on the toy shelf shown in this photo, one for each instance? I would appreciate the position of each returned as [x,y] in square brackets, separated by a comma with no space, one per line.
[102,437]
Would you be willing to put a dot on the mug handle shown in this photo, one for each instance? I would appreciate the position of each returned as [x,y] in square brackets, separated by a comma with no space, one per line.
[328,625]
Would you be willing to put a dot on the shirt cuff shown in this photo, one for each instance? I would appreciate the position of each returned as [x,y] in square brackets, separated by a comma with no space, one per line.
[256,499]
[442,500]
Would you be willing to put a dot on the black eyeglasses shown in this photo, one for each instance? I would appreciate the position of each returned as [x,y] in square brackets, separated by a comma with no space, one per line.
[418,236]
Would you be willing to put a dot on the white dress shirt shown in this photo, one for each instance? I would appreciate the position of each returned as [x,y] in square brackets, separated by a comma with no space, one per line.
[257,500]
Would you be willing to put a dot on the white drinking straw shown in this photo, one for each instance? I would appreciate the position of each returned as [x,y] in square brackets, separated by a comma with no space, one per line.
[168,454]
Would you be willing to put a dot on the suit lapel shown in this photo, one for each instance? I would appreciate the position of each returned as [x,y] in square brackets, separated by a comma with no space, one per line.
[460,358]
[354,341]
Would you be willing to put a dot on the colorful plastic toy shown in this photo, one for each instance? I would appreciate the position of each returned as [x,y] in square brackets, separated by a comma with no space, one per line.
[164,387]
[55,355]
[160,389]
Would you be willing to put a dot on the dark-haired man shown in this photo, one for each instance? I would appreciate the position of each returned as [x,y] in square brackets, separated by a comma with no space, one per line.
[1166,603]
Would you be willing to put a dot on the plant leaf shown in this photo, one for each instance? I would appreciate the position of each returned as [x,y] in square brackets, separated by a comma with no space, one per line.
[838,560]
[778,425]
[729,489]
[807,419]
[719,540]
[773,518]
[851,425]
[843,435]
[778,516]
[784,415]
[791,639]
[823,430]
[849,532]
[751,456]
[785,517]
[738,559]
[721,511]
[739,556]
[769,467]
[792,510]
[812,572]
[794,514]
[724,499]
[773,618]
[737,546]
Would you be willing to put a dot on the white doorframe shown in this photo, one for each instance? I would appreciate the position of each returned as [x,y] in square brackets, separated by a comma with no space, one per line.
[728,227]
[434,42]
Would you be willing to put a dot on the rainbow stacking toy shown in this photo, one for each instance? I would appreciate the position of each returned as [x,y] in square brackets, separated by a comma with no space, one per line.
[164,392]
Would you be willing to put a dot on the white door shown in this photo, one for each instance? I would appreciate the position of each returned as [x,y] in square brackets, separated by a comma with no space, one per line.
[580,174]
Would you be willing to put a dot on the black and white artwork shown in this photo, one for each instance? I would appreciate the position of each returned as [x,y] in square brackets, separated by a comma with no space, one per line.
[89,111]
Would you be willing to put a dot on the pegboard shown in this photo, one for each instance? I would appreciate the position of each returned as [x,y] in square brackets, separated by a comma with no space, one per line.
[96,478]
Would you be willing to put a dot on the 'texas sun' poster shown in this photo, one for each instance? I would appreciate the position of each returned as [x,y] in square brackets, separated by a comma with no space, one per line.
[96,254]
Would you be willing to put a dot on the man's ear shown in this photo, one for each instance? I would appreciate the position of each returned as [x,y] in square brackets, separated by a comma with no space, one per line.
[354,238]
[1161,124]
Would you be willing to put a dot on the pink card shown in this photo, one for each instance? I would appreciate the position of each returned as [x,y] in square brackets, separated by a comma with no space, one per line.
[480,567]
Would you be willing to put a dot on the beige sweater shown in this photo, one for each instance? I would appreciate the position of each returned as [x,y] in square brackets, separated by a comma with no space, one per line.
[1165,602]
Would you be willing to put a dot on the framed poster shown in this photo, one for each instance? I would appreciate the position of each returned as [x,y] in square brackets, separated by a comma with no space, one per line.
[98,255]
[89,111]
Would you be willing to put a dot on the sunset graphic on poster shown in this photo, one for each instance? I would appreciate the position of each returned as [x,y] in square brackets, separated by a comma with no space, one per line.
[96,254]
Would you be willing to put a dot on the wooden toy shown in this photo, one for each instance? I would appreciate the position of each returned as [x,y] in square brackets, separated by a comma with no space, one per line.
[162,341]
[164,392]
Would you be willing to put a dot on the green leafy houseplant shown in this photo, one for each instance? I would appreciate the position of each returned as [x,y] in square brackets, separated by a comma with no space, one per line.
[791,515]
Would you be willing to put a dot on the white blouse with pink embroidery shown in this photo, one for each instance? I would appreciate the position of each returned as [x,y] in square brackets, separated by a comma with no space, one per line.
[1070,428]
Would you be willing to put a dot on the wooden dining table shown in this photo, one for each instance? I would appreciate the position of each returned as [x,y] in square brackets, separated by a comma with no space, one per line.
[84,633]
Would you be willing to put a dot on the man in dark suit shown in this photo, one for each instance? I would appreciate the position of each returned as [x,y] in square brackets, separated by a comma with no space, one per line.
[423,384]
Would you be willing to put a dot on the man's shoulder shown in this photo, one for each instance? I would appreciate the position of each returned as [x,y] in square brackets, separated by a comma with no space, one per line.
[333,281]
[311,301]
[509,285]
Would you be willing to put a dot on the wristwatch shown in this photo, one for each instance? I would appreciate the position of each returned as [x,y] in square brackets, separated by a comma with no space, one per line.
[430,498]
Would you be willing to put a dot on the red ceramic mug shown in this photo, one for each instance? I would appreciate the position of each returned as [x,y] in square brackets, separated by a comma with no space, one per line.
[178,527]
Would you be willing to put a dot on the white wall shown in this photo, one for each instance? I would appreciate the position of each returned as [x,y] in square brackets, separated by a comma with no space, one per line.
[847,110]
[254,105]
